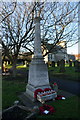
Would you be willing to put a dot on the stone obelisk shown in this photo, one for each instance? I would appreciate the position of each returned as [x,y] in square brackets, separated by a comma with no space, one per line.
[38,73]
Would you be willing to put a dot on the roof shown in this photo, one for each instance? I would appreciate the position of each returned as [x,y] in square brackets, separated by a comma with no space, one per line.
[54,48]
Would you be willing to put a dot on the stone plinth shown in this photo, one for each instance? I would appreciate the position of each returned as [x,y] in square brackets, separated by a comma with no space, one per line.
[38,76]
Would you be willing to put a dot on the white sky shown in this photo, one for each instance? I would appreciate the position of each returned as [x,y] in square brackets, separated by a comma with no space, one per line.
[73,49]
[40,0]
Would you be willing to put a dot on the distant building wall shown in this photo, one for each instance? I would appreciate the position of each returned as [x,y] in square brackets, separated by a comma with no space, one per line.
[77,56]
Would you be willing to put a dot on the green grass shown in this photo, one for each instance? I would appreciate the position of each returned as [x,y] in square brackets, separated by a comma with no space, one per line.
[21,66]
[18,66]
[69,73]
[0,92]
[68,108]
[11,90]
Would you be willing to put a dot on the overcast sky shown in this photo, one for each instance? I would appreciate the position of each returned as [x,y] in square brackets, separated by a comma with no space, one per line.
[73,49]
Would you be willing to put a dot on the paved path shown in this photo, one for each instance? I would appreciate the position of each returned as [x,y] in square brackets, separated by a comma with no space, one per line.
[67,85]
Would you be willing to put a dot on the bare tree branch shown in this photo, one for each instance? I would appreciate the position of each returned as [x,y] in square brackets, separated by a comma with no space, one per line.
[10,12]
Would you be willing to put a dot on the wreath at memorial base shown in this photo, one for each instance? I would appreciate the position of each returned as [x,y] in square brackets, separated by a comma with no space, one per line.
[36,92]
[46,109]
[60,97]
[44,92]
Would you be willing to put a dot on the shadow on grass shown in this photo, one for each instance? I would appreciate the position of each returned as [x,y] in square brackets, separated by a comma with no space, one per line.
[69,74]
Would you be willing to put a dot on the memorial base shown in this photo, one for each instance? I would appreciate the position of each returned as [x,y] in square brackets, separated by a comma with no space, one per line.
[30,91]
[38,77]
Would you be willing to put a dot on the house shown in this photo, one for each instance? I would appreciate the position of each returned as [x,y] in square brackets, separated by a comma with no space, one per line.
[71,57]
[77,56]
[58,53]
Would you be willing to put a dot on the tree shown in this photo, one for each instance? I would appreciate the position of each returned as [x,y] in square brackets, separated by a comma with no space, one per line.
[17,28]
[58,20]
[60,24]
[4,16]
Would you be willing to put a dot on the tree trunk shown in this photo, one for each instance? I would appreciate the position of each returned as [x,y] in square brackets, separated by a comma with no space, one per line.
[14,68]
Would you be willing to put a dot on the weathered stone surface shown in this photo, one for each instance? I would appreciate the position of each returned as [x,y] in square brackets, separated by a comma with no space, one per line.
[38,73]
[38,76]
[37,41]
[62,66]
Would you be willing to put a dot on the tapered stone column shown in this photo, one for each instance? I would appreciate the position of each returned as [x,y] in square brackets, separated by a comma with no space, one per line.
[38,73]
[37,41]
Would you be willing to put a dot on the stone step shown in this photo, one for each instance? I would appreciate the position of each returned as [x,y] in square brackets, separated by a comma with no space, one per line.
[27,101]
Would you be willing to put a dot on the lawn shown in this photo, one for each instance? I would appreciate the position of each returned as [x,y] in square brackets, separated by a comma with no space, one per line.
[68,108]
[18,66]
[12,87]
[69,73]
[10,92]
[0,92]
